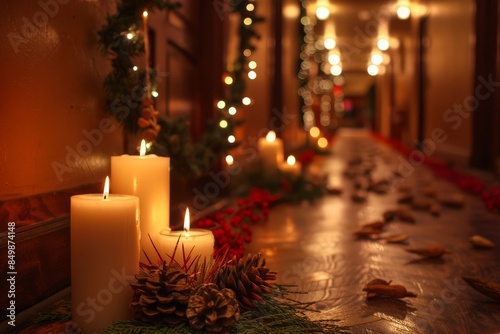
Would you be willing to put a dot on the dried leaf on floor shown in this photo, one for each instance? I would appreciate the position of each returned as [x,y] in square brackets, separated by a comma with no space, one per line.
[380,288]
[486,287]
[429,252]
[481,242]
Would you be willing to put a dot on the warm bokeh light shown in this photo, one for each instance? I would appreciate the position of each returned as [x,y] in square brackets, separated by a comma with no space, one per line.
[252,75]
[336,70]
[314,132]
[154,93]
[228,80]
[232,111]
[223,124]
[377,58]
[372,70]
[130,35]
[246,101]
[221,104]
[247,52]
[322,12]
[383,43]
[145,13]
[135,68]
[252,65]
[322,142]
[290,160]
[250,7]
[229,159]
[247,21]
[231,139]
[403,10]
[329,43]
[334,58]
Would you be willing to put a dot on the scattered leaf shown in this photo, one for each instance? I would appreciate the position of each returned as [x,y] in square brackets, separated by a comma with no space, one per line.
[454,201]
[481,242]
[381,288]
[396,238]
[486,287]
[429,252]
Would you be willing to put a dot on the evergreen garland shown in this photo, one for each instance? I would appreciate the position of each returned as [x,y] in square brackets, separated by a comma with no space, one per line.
[125,86]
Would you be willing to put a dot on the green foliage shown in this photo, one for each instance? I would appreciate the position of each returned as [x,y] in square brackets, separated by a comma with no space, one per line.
[124,87]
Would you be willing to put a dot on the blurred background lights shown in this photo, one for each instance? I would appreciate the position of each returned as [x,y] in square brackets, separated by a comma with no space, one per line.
[231,139]
[329,43]
[232,111]
[322,142]
[336,70]
[221,104]
[383,43]
[223,124]
[246,101]
[372,70]
[314,132]
[252,75]
[229,159]
[252,65]
[228,80]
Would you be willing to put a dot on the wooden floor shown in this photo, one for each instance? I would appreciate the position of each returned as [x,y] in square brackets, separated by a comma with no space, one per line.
[313,247]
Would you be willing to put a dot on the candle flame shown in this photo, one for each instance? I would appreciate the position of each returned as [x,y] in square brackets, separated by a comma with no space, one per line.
[105,194]
[271,136]
[186,222]
[142,150]
[145,13]
[290,160]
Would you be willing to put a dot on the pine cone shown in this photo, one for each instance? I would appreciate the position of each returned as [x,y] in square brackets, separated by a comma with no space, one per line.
[212,310]
[247,278]
[161,294]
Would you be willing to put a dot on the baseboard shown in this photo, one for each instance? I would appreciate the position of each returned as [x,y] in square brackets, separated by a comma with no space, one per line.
[451,153]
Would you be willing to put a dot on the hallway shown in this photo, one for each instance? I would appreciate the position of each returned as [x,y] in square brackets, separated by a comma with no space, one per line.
[313,247]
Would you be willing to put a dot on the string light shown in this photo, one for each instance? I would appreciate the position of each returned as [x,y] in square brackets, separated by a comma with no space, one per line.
[154,93]
[221,104]
[247,52]
[232,111]
[231,139]
[334,58]
[250,7]
[322,10]
[372,70]
[329,43]
[135,68]
[377,58]
[246,101]
[228,80]
[229,159]
[314,132]
[336,70]
[130,35]
[322,142]
[145,13]
[252,75]
[383,43]
[403,11]
[252,65]
[223,124]
[247,21]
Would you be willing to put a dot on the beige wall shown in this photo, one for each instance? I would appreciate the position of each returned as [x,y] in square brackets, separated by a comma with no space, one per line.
[450,70]
[51,94]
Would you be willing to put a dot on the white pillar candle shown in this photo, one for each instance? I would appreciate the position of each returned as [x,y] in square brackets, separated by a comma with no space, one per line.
[291,166]
[104,258]
[271,151]
[147,177]
[197,244]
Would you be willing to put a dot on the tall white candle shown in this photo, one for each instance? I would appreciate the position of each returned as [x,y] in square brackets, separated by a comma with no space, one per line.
[147,177]
[197,244]
[271,151]
[104,258]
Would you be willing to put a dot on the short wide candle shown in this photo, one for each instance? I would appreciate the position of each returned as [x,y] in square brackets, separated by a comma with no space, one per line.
[197,243]
[147,177]
[104,257]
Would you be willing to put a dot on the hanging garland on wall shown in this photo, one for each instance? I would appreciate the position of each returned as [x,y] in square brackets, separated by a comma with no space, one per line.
[128,90]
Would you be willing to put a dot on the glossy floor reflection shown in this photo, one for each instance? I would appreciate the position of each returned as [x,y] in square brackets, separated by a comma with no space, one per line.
[313,246]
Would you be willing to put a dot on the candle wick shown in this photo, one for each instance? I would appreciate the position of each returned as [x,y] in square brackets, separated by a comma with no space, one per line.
[105,196]
[186,232]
